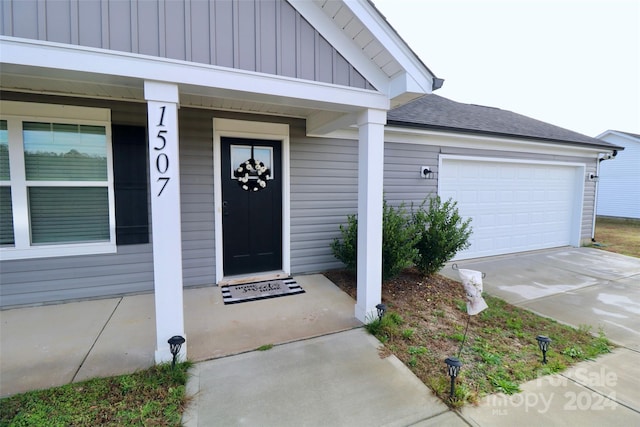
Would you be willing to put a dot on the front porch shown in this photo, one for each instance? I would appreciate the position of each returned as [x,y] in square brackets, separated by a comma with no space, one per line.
[57,344]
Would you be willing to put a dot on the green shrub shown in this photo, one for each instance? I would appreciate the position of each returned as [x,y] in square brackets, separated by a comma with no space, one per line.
[398,242]
[346,249]
[442,233]
[399,238]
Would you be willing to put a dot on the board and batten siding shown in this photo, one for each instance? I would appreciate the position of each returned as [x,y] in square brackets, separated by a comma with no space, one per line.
[267,36]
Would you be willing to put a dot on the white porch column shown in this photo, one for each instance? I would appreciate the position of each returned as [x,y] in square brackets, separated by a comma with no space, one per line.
[370,173]
[162,110]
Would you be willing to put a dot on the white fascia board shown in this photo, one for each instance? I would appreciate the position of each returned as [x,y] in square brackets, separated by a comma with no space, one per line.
[606,133]
[402,135]
[201,78]
[482,142]
[404,89]
[342,43]
[393,43]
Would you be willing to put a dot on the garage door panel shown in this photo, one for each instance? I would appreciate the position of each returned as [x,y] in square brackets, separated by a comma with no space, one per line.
[514,206]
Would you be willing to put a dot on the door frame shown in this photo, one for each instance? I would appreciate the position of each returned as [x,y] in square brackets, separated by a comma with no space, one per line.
[253,130]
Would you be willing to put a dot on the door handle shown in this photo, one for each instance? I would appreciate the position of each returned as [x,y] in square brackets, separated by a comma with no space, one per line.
[225,211]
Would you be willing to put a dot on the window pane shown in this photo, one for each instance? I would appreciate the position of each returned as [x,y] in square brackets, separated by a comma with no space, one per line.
[63,152]
[263,154]
[69,214]
[239,155]
[242,153]
[6,217]
[4,151]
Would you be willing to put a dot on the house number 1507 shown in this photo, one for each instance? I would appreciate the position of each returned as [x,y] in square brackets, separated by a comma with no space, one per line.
[162,160]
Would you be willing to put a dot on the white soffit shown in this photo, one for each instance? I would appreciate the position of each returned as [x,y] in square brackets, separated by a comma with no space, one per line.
[368,43]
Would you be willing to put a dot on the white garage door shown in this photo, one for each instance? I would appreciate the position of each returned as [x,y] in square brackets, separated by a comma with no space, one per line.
[514,206]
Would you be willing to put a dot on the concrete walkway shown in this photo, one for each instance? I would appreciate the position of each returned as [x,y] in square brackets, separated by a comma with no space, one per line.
[334,380]
[318,376]
[51,345]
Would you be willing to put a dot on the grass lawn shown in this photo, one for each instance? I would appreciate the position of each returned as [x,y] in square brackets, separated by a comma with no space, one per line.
[618,235]
[153,397]
[426,321]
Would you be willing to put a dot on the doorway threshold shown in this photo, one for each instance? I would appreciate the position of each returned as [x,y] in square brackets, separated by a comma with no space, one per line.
[253,277]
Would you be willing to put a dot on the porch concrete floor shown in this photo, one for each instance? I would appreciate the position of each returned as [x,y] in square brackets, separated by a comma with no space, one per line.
[51,345]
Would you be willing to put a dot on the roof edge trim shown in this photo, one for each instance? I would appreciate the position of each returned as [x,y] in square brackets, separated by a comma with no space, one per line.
[605,145]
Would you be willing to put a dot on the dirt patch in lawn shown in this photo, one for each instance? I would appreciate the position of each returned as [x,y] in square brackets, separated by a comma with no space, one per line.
[426,322]
[618,235]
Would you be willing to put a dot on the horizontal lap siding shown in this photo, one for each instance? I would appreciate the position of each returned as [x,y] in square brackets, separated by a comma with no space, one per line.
[324,190]
[47,280]
[402,180]
[196,197]
[56,279]
[619,186]
[267,36]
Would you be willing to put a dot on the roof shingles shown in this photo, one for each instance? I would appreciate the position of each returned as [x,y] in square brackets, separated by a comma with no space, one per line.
[438,113]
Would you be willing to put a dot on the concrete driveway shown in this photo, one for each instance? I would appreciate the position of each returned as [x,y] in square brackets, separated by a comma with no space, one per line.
[577,286]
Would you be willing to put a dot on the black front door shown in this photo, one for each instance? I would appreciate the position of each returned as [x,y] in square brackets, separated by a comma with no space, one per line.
[251,205]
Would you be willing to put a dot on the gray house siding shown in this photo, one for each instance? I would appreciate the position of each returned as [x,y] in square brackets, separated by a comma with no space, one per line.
[323,193]
[196,196]
[267,36]
[402,181]
[324,190]
[45,280]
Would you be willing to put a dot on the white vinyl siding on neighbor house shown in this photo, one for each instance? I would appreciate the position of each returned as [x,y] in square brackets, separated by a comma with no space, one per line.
[57,181]
[515,206]
[619,185]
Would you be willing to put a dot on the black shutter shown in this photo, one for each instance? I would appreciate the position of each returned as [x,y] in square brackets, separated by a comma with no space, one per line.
[130,184]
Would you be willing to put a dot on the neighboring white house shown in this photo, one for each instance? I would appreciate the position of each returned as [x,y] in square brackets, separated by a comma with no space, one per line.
[619,184]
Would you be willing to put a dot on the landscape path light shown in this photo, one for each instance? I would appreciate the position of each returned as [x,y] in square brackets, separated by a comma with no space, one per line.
[175,342]
[382,309]
[543,343]
[453,366]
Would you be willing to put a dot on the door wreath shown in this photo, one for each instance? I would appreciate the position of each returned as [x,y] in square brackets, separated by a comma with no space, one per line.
[252,167]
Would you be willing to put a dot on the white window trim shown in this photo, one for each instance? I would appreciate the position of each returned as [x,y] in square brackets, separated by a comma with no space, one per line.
[17,112]
[251,130]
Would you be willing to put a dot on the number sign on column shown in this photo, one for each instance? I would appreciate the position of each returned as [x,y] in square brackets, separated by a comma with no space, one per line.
[162,160]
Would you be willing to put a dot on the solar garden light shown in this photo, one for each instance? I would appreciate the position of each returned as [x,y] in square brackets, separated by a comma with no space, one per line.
[382,309]
[175,342]
[453,367]
[543,343]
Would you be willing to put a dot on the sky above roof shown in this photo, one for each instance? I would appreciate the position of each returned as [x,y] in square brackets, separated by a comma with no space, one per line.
[571,63]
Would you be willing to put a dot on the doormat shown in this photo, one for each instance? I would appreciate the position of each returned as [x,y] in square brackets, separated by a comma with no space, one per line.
[234,294]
